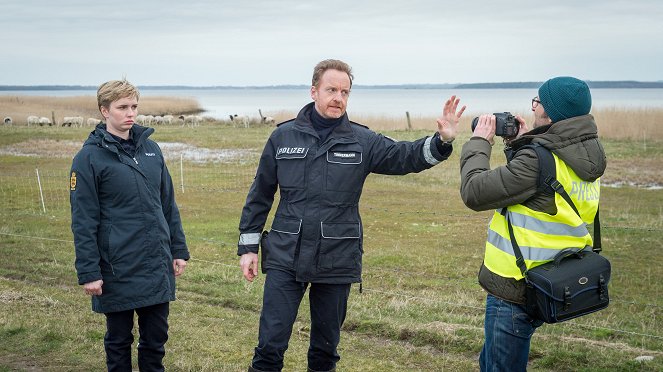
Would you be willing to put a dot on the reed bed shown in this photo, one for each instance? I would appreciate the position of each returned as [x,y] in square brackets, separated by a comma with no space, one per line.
[638,124]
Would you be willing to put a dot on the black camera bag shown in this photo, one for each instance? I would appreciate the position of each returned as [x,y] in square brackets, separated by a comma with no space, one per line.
[574,283]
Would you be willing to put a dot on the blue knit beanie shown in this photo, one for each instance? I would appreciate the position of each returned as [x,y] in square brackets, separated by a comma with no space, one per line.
[565,97]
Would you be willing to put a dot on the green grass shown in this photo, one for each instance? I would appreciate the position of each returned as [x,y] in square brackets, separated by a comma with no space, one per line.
[421,307]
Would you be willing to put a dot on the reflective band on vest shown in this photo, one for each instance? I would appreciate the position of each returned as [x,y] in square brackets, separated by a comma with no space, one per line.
[541,236]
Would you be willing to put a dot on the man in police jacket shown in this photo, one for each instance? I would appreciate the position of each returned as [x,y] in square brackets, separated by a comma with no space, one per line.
[319,162]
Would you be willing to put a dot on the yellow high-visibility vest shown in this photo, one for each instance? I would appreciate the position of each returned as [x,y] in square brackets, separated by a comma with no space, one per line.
[539,235]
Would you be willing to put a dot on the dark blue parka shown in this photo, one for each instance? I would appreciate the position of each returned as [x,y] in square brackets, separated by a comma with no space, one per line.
[126,225]
[317,230]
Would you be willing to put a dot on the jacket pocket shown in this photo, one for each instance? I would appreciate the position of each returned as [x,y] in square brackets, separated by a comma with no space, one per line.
[340,247]
[291,167]
[103,243]
[345,169]
[278,247]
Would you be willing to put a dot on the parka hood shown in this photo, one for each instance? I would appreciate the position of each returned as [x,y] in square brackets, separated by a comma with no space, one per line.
[575,141]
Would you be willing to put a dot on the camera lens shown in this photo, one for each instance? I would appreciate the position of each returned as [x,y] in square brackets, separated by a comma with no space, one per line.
[475,121]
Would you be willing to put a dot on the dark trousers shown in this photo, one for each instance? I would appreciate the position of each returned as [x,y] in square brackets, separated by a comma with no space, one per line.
[281,301]
[153,331]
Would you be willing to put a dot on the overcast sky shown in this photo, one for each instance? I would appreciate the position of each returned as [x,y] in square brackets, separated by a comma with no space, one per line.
[260,42]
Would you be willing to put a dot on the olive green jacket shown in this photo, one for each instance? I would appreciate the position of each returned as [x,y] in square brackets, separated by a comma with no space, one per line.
[575,141]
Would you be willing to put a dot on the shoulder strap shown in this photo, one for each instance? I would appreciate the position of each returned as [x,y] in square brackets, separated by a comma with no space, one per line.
[547,183]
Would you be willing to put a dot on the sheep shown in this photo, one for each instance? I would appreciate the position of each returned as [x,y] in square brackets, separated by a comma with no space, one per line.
[268,120]
[93,122]
[191,120]
[168,119]
[8,120]
[140,119]
[149,119]
[76,121]
[33,120]
[242,119]
[44,121]
[158,120]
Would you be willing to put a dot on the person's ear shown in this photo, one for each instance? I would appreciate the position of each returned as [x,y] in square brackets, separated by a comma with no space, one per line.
[314,93]
[104,112]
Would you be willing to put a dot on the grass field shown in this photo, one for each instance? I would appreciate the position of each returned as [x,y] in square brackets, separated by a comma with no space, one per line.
[421,307]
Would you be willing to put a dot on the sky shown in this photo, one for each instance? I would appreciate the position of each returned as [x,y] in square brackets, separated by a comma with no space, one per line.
[263,43]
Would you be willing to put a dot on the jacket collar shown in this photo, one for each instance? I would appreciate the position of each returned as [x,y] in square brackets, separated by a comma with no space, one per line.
[342,131]
[100,135]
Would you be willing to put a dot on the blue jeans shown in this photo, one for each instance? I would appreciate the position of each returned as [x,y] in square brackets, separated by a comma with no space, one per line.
[281,301]
[508,332]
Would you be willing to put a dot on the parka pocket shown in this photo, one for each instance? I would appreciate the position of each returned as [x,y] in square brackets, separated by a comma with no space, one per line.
[278,247]
[340,246]
[291,167]
[103,243]
[345,169]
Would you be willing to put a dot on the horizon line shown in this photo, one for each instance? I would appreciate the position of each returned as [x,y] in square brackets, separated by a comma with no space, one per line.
[513,85]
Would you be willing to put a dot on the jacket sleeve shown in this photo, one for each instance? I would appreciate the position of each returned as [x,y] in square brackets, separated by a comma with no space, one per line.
[258,202]
[401,157]
[482,188]
[178,247]
[85,216]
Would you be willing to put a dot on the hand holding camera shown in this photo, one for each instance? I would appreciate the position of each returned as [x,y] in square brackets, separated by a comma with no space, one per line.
[506,124]
[502,124]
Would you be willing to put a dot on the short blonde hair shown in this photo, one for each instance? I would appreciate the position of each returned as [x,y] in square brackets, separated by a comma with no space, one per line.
[330,64]
[113,90]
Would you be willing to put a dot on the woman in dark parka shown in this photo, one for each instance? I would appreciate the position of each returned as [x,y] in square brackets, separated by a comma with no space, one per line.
[128,235]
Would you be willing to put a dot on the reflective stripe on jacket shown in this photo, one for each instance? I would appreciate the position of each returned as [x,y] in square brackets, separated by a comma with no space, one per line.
[539,235]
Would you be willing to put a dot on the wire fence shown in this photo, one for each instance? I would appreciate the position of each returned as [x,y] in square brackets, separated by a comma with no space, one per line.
[43,190]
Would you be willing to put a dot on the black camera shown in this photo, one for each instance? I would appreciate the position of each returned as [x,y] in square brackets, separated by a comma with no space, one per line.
[506,124]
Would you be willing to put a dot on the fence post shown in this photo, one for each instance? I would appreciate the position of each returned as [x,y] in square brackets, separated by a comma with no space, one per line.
[182,172]
[409,124]
[41,193]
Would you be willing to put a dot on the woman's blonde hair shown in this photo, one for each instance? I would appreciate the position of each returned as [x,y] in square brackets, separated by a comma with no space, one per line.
[113,90]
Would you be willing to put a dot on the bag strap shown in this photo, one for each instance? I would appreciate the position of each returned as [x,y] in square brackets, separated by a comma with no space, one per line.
[547,180]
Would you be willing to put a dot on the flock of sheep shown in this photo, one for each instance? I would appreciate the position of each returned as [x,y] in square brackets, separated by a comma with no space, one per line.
[189,120]
[79,121]
[245,120]
[67,121]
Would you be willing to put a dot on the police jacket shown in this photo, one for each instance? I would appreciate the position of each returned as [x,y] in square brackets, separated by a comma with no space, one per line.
[574,142]
[126,225]
[317,232]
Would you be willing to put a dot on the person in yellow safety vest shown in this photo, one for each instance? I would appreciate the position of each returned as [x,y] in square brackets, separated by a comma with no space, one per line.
[543,222]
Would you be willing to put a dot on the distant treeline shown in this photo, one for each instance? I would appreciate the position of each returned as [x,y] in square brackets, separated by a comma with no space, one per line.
[506,85]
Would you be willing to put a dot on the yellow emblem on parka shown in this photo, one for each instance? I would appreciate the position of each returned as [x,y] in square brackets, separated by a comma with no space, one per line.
[72,181]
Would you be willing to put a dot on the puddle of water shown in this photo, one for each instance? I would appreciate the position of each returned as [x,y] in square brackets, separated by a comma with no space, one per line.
[617,185]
